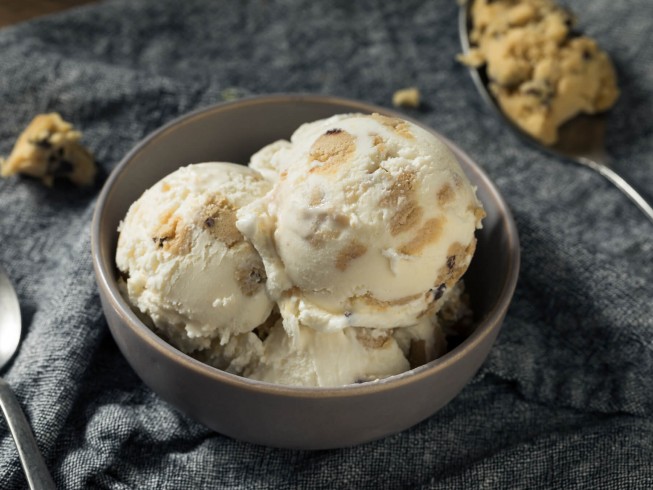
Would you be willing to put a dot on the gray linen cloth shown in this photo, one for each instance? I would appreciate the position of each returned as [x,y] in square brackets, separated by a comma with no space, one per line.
[565,399]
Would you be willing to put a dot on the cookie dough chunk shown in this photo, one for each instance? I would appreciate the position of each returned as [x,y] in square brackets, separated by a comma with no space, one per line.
[49,149]
[407,97]
[541,72]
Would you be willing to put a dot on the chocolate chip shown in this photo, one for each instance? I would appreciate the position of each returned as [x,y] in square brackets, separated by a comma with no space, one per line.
[209,222]
[256,276]
[544,99]
[540,89]
[451,262]
[43,143]
[159,241]
[587,55]
[348,314]
[334,131]
[439,291]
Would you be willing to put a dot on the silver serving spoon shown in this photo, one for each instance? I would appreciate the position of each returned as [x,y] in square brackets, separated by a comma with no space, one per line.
[37,473]
[582,139]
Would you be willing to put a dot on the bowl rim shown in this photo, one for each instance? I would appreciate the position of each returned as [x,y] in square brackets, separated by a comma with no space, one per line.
[106,281]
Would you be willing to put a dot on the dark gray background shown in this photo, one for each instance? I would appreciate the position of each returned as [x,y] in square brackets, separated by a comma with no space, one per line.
[566,396]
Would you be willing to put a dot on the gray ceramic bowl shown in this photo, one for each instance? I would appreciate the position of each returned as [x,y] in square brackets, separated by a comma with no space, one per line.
[263,413]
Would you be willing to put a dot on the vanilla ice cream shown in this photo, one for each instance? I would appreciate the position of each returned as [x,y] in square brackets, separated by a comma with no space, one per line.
[369,223]
[187,267]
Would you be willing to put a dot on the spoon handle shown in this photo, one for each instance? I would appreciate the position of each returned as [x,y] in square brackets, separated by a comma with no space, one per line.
[621,184]
[36,472]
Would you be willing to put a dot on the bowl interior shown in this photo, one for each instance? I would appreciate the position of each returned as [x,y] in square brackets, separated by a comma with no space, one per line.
[234,131]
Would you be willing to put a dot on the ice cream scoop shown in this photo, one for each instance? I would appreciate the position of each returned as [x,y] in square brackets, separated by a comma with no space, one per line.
[185,265]
[313,358]
[350,355]
[369,223]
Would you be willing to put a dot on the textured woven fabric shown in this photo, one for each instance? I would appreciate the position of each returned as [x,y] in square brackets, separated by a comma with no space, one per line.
[565,399]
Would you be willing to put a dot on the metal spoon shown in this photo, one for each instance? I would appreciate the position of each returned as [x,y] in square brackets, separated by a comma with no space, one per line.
[582,139]
[10,326]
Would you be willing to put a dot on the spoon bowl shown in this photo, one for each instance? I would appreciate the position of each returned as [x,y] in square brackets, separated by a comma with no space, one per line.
[10,324]
[580,140]
[36,472]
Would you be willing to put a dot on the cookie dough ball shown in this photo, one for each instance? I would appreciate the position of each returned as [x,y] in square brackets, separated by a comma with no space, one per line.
[541,73]
[49,149]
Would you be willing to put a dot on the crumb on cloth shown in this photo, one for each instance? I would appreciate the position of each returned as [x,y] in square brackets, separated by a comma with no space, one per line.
[48,149]
[407,97]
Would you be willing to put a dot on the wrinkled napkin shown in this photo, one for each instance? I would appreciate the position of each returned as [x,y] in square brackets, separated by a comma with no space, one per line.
[565,399]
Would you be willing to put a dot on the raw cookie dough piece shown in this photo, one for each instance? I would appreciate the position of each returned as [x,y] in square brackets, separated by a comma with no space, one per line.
[49,148]
[407,97]
[540,72]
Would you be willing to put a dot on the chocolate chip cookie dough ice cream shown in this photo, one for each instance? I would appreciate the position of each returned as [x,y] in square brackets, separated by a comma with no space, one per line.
[370,223]
[186,266]
[541,72]
[352,355]
[335,258]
